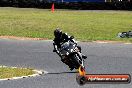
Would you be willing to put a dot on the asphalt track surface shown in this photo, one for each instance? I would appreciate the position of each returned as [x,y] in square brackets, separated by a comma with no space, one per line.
[102,59]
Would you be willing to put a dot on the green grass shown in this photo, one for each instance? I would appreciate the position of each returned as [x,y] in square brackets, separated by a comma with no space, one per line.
[84,25]
[7,72]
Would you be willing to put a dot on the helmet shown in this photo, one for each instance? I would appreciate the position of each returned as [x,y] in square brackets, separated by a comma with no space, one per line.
[57,33]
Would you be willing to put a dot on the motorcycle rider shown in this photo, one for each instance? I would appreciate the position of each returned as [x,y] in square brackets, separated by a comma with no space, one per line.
[62,38]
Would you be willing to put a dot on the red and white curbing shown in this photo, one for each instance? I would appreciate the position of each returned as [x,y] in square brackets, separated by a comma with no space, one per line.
[37,73]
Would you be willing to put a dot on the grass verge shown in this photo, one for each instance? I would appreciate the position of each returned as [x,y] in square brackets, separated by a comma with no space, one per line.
[84,25]
[8,72]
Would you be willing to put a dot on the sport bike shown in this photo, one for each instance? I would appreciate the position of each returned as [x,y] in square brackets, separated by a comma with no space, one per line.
[71,55]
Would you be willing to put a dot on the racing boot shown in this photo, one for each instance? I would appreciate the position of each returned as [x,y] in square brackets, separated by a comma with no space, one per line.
[71,67]
[84,56]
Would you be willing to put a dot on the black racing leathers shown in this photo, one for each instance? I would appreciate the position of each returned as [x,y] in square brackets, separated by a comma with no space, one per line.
[60,40]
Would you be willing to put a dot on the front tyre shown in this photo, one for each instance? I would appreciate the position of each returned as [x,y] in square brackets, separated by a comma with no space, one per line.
[77,61]
[81,80]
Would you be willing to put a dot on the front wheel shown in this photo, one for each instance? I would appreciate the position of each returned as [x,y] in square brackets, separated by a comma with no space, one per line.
[77,61]
[81,80]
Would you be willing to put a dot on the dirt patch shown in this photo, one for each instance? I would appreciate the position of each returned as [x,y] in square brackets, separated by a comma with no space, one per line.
[108,41]
[27,38]
[21,38]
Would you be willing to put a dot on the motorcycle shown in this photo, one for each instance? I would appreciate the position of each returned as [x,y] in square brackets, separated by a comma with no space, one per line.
[125,34]
[71,54]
